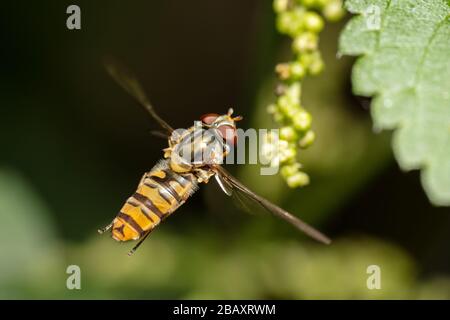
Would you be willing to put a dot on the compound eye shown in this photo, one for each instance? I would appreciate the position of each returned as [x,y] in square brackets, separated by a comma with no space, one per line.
[229,134]
[209,118]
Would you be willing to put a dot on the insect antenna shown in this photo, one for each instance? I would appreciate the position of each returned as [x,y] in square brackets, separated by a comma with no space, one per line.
[158,134]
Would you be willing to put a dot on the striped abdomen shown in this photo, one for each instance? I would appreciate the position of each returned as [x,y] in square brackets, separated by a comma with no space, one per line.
[160,192]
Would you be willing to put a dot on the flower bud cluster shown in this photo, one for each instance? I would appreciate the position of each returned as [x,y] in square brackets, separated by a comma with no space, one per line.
[302,21]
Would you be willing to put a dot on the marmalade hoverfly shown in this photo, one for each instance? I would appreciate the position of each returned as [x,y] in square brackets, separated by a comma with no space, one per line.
[173,179]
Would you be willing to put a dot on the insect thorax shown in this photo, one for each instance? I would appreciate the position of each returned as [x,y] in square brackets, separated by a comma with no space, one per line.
[194,149]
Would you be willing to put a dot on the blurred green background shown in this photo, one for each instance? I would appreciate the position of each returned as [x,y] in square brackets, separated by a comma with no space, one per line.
[74,146]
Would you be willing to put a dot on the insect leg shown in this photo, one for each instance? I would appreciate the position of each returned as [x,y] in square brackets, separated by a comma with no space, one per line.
[139,243]
[103,230]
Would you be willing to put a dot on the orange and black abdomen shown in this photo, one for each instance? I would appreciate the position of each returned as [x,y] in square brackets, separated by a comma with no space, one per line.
[160,192]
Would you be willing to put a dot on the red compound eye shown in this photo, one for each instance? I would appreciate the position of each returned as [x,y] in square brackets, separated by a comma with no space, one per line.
[209,117]
[229,134]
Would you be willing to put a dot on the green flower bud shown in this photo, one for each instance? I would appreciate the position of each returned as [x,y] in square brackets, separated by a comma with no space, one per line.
[302,121]
[290,114]
[283,70]
[306,41]
[283,103]
[284,21]
[280,5]
[316,65]
[294,91]
[297,70]
[290,22]
[313,22]
[283,145]
[308,3]
[286,106]
[306,59]
[299,179]
[298,15]
[288,133]
[289,169]
[272,108]
[288,154]
[278,117]
[334,10]
[307,140]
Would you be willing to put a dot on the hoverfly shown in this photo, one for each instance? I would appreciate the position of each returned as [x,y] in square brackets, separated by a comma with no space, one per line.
[176,177]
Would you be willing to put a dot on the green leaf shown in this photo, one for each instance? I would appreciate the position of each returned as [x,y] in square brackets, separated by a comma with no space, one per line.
[405,66]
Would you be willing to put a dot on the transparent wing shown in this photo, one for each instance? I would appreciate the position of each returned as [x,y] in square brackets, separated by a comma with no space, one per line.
[235,185]
[239,199]
[129,83]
